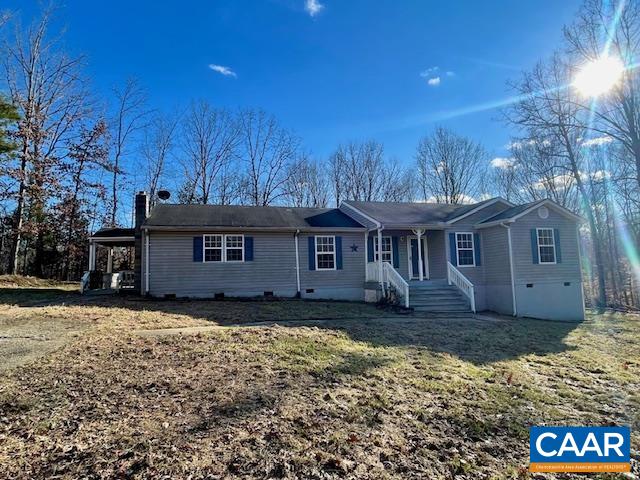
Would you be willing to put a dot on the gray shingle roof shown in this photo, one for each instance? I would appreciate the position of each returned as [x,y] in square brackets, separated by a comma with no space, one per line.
[167,215]
[401,213]
[114,232]
[511,212]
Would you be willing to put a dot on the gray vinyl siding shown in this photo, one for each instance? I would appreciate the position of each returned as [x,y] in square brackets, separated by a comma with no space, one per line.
[362,220]
[554,291]
[437,254]
[173,271]
[497,270]
[526,270]
[345,284]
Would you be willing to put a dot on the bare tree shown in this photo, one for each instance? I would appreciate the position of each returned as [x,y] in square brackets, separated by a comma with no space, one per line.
[156,148]
[450,167]
[129,117]
[267,150]
[549,112]
[209,140]
[532,173]
[306,183]
[50,95]
[611,28]
[359,171]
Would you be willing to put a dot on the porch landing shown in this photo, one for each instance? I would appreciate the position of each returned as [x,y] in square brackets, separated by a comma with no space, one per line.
[437,296]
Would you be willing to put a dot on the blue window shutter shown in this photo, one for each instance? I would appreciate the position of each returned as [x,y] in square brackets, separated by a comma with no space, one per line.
[452,249]
[312,253]
[534,245]
[476,248]
[370,249]
[339,253]
[197,249]
[248,249]
[556,238]
[396,253]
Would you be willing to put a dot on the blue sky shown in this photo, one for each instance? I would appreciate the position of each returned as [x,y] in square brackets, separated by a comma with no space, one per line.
[344,70]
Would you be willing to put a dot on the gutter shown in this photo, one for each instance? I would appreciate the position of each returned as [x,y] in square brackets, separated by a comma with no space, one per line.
[200,229]
[295,237]
[512,270]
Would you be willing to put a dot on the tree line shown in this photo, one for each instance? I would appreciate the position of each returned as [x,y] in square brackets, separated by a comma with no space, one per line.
[71,161]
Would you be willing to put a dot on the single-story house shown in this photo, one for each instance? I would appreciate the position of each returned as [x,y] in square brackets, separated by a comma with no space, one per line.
[521,260]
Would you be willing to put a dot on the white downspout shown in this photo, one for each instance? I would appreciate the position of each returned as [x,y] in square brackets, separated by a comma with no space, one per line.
[420,268]
[380,260]
[295,237]
[110,260]
[512,270]
[146,262]
[366,254]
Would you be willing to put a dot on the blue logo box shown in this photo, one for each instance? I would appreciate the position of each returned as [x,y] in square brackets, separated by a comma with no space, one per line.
[579,445]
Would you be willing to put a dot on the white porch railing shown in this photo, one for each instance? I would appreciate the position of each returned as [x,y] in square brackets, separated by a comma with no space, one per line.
[390,277]
[373,272]
[455,277]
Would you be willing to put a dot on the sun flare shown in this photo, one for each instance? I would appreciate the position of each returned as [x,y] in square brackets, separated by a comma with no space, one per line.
[598,76]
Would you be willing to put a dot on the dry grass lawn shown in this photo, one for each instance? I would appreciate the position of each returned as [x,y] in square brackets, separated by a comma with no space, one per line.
[349,394]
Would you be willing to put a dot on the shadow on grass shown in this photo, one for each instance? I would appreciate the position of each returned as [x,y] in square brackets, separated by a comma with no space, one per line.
[476,341]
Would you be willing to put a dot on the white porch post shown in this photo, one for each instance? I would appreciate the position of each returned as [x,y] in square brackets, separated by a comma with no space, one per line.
[380,259]
[110,260]
[419,232]
[366,254]
[92,256]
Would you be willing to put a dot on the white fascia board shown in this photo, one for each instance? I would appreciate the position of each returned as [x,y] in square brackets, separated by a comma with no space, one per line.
[360,212]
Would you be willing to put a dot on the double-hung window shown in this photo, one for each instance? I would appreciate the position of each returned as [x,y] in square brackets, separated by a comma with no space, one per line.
[464,249]
[546,245]
[223,248]
[234,248]
[325,252]
[387,252]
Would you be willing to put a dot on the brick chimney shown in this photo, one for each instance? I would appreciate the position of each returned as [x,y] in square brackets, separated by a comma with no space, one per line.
[141,213]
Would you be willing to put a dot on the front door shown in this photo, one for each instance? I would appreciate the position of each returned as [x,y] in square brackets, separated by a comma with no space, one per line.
[413,258]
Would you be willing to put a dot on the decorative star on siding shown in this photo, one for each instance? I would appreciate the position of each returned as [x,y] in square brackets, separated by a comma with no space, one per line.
[354,248]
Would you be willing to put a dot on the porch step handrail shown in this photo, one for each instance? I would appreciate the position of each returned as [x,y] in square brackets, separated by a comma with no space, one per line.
[390,276]
[455,277]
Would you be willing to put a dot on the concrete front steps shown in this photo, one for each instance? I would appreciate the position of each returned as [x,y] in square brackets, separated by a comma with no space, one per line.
[437,297]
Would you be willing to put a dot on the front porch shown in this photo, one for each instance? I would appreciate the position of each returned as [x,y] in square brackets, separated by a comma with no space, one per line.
[400,249]
[415,263]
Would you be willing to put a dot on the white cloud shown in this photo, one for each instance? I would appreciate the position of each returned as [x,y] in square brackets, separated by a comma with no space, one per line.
[434,77]
[429,72]
[313,7]
[502,162]
[596,142]
[226,71]
[559,182]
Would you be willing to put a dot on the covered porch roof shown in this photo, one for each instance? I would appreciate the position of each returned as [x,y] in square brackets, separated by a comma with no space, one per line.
[409,215]
[113,237]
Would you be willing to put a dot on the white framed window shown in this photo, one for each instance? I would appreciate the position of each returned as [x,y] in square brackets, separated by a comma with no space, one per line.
[387,250]
[223,248]
[234,248]
[325,252]
[465,253]
[546,246]
[213,248]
